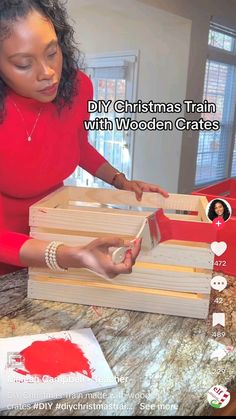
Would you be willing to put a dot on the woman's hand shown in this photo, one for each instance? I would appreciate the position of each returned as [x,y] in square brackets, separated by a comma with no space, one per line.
[97,257]
[138,187]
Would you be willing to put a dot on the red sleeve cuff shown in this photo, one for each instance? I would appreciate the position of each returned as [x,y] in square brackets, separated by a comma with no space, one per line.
[10,244]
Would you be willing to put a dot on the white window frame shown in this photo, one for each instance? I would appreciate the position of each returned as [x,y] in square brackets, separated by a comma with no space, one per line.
[119,59]
[225,57]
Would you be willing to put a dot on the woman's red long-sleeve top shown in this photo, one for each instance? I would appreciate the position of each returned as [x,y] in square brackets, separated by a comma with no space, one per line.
[31,170]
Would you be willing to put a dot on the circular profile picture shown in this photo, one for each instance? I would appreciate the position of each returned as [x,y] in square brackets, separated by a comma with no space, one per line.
[218,208]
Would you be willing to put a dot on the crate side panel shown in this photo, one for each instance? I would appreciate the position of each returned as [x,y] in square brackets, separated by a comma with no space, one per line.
[149,199]
[120,299]
[142,277]
[165,253]
[90,221]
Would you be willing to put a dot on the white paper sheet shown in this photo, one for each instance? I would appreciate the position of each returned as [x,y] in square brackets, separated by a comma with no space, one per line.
[28,378]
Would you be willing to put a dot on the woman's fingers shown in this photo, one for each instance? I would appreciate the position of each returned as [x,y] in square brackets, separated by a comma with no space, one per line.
[130,258]
[128,261]
[135,187]
[138,187]
[99,259]
[126,266]
[155,188]
[136,249]
[163,192]
[138,191]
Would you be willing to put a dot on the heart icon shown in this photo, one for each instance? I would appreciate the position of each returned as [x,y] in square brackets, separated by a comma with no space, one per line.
[218,248]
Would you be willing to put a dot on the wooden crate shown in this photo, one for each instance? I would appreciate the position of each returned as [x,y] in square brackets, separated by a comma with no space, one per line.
[174,278]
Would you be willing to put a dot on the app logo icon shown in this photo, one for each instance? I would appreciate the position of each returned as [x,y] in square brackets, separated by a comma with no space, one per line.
[218,396]
[15,360]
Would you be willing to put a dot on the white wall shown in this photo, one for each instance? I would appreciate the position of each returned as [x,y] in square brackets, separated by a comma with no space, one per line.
[172,67]
[164,41]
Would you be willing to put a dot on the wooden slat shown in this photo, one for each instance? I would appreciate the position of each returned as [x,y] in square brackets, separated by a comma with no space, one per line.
[112,196]
[105,210]
[203,202]
[53,232]
[168,253]
[184,217]
[178,304]
[179,255]
[84,220]
[54,199]
[110,222]
[119,211]
[113,286]
[149,199]
[144,276]
[60,231]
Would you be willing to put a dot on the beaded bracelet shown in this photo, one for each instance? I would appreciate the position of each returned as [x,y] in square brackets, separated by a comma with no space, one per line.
[51,256]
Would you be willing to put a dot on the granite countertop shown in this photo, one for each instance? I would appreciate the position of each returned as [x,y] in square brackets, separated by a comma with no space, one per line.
[164,360]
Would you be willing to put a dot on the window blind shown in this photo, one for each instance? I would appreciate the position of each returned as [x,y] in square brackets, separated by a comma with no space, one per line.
[214,155]
[114,73]
[214,146]
[214,26]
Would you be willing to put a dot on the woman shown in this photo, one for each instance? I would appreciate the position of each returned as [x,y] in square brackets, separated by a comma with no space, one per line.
[218,208]
[43,102]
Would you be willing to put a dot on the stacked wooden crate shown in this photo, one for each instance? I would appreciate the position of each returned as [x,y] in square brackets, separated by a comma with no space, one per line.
[173,278]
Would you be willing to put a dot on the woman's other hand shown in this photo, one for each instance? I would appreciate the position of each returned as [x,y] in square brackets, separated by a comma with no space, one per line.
[138,187]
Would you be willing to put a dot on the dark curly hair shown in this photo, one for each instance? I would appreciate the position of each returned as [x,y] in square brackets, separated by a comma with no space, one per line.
[11,10]
[212,214]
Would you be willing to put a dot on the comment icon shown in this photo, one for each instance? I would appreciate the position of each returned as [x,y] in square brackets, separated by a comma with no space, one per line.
[218,283]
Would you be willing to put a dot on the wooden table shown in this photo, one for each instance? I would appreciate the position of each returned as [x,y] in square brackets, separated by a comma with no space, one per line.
[164,360]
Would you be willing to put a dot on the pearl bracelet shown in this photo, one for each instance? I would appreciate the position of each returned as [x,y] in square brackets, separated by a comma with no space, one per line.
[51,256]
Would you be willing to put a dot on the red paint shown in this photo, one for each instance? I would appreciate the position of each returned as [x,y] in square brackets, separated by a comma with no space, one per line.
[22,372]
[13,327]
[98,310]
[184,230]
[53,358]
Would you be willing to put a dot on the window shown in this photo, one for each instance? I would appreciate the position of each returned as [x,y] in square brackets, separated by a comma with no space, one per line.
[221,40]
[114,77]
[233,171]
[214,158]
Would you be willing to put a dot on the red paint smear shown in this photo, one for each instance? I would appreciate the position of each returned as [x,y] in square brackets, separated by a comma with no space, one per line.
[53,358]
[22,372]
[98,313]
